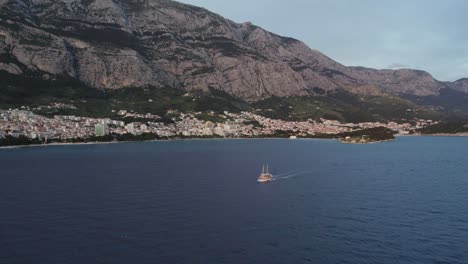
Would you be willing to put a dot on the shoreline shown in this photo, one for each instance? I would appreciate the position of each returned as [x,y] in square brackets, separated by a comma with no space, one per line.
[61,144]
[115,142]
[435,135]
[254,138]
[156,140]
[366,143]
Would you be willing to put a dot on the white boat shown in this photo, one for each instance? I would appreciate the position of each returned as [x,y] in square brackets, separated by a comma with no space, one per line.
[265,176]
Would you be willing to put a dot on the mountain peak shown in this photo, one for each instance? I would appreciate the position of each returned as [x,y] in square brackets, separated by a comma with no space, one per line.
[162,43]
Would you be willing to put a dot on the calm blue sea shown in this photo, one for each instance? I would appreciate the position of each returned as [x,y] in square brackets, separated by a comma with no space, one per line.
[199,202]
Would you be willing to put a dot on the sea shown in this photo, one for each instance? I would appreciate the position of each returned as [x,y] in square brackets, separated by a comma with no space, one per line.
[198,201]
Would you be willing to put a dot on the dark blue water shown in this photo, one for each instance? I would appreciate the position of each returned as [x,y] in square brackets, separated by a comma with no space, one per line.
[198,202]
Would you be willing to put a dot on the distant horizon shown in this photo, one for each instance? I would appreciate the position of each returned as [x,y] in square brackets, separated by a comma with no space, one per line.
[396,35]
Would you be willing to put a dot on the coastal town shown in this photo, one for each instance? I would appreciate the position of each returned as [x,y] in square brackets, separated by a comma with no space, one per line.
[25,123]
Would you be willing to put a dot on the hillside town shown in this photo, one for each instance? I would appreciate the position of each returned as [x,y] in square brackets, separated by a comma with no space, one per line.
[23,122]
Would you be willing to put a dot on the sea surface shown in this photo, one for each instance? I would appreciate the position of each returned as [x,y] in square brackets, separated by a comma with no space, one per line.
[199,202]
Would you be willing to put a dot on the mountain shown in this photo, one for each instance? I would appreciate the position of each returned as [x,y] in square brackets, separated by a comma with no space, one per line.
[115,44]
[460,85]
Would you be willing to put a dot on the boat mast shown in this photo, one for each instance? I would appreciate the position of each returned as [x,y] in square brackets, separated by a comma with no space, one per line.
[267,169]
[263,169]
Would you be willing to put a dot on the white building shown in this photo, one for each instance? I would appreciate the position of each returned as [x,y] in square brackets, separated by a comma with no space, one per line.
[130,128]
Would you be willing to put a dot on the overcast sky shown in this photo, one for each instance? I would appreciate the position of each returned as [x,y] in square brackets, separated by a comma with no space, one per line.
[422,34]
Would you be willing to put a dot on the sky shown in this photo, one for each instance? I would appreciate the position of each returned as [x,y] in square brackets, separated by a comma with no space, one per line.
[420,34]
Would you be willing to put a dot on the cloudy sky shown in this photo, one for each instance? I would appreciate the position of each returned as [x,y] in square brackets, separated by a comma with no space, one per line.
[422,34]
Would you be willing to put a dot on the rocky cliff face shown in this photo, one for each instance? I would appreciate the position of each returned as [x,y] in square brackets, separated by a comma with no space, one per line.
[460,85]
[137,43]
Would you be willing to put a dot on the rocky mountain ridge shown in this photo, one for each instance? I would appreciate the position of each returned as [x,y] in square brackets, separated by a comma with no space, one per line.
[111,44]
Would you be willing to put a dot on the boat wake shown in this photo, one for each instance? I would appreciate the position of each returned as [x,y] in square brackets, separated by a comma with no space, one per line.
[289,175]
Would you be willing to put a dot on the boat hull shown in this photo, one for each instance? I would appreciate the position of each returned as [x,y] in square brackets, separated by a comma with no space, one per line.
[265,178]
